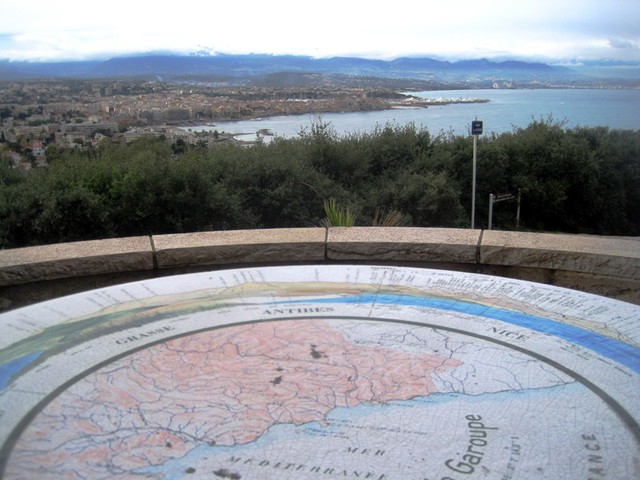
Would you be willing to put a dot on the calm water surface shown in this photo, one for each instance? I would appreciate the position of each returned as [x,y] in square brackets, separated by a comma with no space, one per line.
[506,110]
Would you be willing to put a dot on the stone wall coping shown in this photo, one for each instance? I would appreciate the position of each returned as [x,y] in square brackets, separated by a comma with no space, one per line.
[240,246]
[578,253]
[75,259]
[474,250]
[403,244]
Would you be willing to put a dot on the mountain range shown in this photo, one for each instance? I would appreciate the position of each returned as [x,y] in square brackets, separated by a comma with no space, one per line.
[263,68]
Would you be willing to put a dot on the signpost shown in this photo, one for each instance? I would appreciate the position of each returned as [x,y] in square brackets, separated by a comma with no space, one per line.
[476,129]
[502,197]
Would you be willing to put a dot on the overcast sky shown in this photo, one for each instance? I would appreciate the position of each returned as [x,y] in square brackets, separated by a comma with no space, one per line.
[556,31]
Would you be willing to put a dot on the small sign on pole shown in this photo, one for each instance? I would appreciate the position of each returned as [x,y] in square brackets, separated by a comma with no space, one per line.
[476,127]
[502,197]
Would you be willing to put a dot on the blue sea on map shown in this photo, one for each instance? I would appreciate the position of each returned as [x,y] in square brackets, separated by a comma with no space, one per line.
[11,368]
[349,426]
[505,110]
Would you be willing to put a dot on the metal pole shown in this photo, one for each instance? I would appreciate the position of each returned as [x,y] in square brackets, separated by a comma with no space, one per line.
[473,184]
[518,212]
[491,197]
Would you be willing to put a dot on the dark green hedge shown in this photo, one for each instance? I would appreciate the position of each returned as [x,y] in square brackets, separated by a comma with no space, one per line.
[581,180]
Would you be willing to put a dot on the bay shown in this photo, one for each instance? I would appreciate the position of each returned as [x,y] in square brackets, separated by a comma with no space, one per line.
[505,111]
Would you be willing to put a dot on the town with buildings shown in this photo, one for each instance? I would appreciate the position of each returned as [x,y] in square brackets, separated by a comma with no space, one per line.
[82,113]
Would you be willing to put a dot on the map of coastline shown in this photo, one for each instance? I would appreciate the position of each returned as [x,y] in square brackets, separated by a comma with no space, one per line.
[227,388]
[25,354]
[310,380]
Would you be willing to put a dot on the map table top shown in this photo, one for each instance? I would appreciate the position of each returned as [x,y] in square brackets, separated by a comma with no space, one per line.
[322,372]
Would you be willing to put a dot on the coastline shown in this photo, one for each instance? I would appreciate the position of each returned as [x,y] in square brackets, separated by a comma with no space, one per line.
[320,107]
[452,111]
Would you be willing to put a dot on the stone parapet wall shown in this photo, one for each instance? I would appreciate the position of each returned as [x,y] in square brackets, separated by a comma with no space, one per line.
[607,266]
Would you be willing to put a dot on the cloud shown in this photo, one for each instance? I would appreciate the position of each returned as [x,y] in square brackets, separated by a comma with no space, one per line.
[622,44]
[539,30]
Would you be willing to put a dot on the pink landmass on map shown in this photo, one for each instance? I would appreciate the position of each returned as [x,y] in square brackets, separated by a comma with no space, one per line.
[223,387]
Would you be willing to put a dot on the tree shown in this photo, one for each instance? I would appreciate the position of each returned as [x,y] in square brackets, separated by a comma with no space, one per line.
[583,180]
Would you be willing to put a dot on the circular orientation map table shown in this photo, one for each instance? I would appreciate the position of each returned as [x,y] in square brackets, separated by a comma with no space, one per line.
[322,372]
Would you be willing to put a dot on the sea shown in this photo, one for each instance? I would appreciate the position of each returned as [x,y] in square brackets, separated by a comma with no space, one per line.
[505,111]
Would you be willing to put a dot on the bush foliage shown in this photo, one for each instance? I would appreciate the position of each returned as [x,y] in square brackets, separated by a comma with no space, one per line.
[580,180]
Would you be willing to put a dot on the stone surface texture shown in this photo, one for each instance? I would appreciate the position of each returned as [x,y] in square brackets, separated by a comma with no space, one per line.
[403,244]
[604,265]
[76,259]
[240,246]
[576,253]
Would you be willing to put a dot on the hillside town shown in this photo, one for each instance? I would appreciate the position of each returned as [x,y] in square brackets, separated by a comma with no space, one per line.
[81,114]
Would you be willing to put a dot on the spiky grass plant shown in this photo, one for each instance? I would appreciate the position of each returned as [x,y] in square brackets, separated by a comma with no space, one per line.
[337,216]
[394,218]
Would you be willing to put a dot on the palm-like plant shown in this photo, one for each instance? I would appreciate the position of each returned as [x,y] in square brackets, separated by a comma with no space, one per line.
[337,216]
[393,218]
